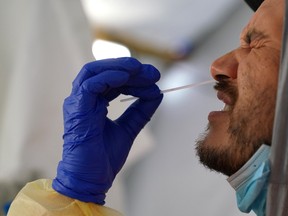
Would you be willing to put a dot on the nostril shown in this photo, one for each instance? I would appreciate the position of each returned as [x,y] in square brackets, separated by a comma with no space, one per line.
[221,77]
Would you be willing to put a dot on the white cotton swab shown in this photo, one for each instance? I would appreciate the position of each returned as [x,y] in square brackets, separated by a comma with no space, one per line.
[175,89]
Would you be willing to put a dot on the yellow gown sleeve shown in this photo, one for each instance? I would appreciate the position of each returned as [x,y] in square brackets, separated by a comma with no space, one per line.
[39,199]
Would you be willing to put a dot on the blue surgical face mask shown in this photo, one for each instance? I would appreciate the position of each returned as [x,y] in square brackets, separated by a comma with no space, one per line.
[251,182]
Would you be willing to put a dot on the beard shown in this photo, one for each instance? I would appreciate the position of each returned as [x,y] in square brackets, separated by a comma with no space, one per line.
[248,126]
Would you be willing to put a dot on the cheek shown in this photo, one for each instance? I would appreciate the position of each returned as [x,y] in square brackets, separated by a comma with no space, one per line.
[258,71]
[264,65]
[254,111]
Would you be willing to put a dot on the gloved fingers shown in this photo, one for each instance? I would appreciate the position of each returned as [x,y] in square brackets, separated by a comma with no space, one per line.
[146,92]
[85,99]
[138,115]
[130,65]
[146,76]
[102,82]
[113,83]
[82,118]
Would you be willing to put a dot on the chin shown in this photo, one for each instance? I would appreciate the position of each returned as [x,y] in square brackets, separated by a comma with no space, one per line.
[223,156]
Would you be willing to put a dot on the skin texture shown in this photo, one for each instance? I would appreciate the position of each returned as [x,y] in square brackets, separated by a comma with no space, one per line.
[247,84]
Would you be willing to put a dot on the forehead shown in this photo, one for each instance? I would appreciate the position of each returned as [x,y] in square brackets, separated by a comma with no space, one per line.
[268,19]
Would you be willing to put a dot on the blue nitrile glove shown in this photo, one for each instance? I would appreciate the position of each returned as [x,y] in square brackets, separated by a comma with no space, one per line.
[95,147]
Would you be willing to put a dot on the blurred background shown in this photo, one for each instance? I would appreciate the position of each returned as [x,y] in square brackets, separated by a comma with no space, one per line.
[43,45]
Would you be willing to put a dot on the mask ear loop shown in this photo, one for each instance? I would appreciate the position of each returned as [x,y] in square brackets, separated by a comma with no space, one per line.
[277,197]
[175,89]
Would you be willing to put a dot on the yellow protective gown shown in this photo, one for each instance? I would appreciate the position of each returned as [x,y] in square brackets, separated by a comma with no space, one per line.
[39,199]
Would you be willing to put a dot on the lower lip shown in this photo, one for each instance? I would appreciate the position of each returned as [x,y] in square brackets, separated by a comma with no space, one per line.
[214,115]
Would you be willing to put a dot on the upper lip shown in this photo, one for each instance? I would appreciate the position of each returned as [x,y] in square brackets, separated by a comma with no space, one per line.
[225,98]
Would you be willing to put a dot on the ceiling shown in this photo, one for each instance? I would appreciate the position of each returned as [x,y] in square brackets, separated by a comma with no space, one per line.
[170,28]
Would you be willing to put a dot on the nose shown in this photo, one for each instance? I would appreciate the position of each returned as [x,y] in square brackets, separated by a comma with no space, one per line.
[225,67]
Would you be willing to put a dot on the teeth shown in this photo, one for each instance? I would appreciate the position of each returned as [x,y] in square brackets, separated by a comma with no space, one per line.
[226,108]
[223,108]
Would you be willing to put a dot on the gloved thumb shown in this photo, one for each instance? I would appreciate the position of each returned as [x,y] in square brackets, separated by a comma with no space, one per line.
[138,115]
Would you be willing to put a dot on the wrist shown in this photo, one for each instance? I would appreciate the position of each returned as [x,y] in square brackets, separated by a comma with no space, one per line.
[79,185]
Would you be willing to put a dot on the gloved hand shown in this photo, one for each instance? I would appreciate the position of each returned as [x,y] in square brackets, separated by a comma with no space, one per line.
[95,147]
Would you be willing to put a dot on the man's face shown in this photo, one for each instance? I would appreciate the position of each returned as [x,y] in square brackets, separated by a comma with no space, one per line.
[247,84]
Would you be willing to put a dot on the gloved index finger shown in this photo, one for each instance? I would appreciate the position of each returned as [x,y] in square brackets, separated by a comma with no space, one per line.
[105,81]
[148,75]
[127,64]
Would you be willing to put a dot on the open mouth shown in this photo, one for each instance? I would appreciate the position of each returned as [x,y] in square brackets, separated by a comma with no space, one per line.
[227,108]
[228,102]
